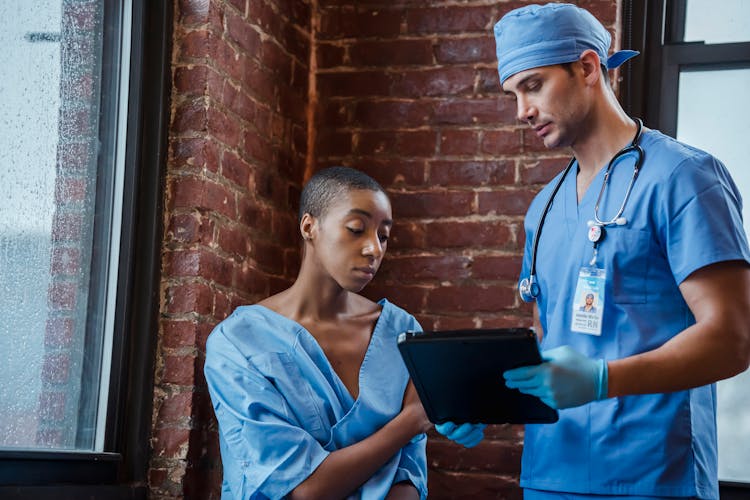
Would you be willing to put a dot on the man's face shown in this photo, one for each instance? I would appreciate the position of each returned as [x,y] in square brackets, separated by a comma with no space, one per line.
[551,100]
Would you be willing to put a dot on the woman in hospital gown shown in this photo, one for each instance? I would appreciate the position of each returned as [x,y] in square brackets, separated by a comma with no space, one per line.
[309,390]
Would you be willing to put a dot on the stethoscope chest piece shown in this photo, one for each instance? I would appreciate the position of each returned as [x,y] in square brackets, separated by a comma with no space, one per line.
[528,288]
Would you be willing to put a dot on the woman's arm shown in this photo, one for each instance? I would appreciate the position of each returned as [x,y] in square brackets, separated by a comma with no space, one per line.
[403,491]
[344,470]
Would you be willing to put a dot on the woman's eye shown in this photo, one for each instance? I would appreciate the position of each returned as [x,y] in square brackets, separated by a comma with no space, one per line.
[383,238]
[355,230]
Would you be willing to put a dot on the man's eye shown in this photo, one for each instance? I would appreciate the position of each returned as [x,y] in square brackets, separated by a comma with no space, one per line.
[355,230]
[383,238]
[534,86]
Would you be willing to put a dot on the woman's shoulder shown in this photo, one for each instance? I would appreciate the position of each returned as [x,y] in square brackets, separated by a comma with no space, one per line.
[250,329]
[397,318]
[250,314]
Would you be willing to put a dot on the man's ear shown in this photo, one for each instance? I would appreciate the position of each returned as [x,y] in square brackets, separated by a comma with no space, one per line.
[307,226]
[591,65]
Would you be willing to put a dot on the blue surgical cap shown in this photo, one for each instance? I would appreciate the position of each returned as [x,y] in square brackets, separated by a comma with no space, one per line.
[555,33]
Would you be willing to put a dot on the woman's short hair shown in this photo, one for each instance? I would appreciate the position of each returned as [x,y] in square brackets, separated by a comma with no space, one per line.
[327,184]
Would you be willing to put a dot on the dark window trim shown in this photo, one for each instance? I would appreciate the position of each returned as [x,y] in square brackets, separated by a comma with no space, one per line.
[656,29]
[121,472]
[679,57]
[674,25]
[148,124]
[26,468]
[642,73]
[100,252]
[73,492]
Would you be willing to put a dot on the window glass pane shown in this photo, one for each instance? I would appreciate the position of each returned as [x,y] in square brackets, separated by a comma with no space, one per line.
[703,121]
[55,222]
[727,21]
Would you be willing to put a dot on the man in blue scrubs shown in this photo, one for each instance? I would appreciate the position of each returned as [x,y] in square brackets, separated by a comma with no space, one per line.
[655,234]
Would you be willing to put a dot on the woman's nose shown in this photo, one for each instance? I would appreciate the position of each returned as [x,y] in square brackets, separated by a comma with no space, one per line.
[373,247]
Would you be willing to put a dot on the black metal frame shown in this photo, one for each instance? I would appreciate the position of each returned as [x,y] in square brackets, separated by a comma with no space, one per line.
[650,83]
[100,253]
[687,56]
[121,471]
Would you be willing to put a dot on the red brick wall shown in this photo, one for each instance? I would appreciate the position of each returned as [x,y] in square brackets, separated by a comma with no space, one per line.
[409,92]
[404,90]
[238,144]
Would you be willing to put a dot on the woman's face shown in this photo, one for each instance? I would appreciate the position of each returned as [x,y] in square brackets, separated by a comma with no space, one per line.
[351,237]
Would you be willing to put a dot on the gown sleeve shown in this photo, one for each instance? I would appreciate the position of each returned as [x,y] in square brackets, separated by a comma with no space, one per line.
[412,465]
[266,451]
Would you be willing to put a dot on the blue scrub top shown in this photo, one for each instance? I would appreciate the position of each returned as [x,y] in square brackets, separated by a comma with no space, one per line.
[684,213]
[282,408]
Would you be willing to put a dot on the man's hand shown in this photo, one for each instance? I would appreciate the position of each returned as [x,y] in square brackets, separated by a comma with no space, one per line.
[565,379]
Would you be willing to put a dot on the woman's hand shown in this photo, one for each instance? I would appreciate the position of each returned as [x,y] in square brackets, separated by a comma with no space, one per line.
[468,435]
[412,406]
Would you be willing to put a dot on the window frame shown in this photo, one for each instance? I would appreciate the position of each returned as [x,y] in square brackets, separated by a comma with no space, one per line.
[121,471]
[649,85]
[652,28]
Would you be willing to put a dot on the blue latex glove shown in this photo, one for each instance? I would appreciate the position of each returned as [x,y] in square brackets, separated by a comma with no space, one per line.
[566,379]
[468,435]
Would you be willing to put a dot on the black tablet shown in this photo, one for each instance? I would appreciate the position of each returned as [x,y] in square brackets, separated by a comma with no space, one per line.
[458,375]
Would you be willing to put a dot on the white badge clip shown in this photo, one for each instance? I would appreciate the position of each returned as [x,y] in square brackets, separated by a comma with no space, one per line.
[596,232]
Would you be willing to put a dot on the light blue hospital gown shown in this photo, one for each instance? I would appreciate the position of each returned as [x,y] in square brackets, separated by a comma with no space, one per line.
[684,213]
[282,408]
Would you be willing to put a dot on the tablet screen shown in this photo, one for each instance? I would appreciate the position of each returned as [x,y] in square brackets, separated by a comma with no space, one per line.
[458,375]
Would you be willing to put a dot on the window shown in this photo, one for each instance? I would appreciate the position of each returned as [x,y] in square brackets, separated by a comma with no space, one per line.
[60,222]
[692,84]
[706,24]
[82,181]
[705,92]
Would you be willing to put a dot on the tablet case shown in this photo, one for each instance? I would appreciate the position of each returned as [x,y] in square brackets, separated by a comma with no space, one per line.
[458,375]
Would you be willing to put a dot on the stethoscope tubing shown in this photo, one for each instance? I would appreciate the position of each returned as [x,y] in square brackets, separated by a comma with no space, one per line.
[636,169]
[528,287]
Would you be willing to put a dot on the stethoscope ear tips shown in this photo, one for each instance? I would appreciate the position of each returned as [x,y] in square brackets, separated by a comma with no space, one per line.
[621,221]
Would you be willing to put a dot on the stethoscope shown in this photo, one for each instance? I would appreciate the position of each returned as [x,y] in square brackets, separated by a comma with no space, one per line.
[528,288]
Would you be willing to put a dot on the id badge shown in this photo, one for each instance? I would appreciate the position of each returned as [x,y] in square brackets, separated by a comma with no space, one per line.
[588,301]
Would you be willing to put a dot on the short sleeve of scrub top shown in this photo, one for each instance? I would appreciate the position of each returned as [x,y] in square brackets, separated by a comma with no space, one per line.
[700,207]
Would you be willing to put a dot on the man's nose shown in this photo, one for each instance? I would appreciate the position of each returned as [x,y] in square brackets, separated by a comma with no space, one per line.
[525,111]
